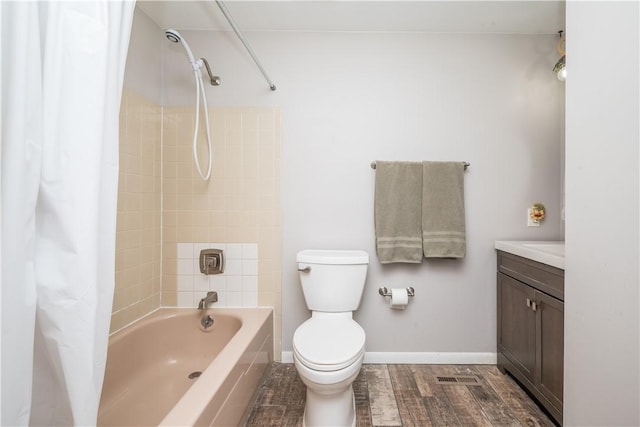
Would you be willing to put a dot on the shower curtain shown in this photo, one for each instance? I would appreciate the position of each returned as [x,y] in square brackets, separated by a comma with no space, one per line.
[62,73]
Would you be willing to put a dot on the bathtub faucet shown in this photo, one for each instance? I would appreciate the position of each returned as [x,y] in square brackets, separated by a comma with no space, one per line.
[209,299]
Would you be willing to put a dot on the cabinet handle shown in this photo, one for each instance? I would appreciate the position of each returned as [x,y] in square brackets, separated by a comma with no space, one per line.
[528,302]
[534,306]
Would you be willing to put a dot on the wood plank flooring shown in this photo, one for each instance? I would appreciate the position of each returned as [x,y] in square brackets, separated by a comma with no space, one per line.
[406,395]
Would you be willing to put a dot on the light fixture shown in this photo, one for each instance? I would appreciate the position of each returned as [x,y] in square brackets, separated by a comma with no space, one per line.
[561,67]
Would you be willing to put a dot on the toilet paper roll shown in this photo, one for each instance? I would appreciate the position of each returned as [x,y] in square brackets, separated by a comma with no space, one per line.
[399,299]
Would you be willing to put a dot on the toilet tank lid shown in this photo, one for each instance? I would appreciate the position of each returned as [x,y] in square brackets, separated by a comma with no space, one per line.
[320,256]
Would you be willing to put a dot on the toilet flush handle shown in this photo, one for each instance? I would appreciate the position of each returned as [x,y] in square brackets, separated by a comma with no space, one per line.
[307,269]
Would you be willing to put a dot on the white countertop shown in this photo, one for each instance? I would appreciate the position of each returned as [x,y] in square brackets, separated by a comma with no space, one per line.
[546,252]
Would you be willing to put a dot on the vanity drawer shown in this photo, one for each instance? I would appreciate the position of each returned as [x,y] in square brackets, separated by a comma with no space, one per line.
[545,278]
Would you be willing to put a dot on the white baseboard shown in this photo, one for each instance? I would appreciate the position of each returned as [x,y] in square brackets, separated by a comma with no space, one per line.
[419,358]
[431,358]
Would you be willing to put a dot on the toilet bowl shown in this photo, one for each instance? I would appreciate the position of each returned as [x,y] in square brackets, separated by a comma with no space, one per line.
[329,347]
[328,351]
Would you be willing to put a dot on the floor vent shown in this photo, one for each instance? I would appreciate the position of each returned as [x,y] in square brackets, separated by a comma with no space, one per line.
[458,380]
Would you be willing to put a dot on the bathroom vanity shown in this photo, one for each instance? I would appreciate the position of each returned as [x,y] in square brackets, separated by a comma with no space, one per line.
[530,292]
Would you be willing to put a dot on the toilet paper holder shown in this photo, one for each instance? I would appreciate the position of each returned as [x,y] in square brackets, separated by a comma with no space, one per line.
[387,292]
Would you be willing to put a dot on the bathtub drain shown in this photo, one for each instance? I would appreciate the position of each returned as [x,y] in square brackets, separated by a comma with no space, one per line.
[195,374]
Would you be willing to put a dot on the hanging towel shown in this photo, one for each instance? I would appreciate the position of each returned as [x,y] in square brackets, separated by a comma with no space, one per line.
[443,234]
[398,212]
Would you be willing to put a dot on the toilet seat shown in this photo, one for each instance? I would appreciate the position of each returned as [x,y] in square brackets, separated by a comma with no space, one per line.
[329,343]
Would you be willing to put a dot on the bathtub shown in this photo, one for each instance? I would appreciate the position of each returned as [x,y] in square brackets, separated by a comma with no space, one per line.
[153,378]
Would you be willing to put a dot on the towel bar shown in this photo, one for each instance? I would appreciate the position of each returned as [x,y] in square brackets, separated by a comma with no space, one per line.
[466,165]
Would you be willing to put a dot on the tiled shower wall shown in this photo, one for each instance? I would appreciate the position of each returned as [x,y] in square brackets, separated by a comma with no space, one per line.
[238,209]
[137,287]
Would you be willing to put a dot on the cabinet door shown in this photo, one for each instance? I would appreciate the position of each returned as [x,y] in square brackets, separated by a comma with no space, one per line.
[517,324]
[550,331]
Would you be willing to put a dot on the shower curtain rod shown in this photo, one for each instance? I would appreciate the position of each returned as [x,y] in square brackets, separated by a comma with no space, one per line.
[227,14]
[465,164]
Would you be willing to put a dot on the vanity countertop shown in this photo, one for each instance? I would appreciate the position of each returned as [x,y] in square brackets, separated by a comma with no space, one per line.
[546,252]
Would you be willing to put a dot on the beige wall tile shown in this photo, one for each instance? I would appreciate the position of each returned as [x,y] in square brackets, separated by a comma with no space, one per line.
[219,166]
[200,234]
[117,321]
[231,187]
[169,299]
[265,298]
[138,224]
[184,202]
[169,234]
[239,204]
[169,283]
[218,234]
[200,202]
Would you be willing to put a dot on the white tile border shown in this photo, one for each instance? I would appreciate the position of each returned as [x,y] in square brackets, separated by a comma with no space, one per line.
[249,283]
[185,299]
[249,299]
[184,250]
[249,251]
[201,283]
[249,267]
[233,251]
[234,299]
[233,267]
[217,282]
[184,283]
[236,287]
[233,284]
[185,267]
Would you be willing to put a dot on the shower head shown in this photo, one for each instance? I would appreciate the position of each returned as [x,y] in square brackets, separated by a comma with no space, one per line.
[175,37]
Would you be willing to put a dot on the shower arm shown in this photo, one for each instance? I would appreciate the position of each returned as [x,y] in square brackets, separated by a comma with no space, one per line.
[225,12]
[215,80]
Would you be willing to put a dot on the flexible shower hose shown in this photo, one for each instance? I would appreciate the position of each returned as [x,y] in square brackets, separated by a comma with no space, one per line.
[199,89]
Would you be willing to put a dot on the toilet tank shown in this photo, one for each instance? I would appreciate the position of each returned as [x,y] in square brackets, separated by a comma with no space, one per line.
[332,280]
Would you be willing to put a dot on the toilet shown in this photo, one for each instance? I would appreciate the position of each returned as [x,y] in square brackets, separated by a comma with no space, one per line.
[328,348]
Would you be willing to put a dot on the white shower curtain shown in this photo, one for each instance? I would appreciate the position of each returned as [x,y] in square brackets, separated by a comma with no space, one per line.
[62,73]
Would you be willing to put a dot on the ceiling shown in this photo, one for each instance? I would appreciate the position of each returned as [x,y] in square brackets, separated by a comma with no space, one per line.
[453,16]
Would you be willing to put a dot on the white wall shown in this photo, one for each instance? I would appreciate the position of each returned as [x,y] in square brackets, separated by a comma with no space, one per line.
[350,98]
[602,357]
[143,72]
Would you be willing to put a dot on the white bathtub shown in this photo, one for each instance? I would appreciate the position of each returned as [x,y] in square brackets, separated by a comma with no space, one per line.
[148,365]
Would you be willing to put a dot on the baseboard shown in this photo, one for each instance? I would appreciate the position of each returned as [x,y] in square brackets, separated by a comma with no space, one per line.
[419,358]
[430,358]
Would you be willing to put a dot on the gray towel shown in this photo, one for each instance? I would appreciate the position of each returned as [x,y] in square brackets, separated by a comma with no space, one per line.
[398,212]
[443,234]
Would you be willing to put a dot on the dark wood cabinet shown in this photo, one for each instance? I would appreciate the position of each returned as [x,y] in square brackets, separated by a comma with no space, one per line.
[517,324]
[550,351]
[531,327]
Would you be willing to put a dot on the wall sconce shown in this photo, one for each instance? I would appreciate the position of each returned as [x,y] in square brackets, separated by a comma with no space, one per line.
[561,67]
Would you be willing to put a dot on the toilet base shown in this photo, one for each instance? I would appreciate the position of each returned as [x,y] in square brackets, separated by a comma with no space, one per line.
[330,410]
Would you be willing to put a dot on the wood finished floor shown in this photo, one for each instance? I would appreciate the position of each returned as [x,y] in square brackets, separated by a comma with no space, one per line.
[406,395]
